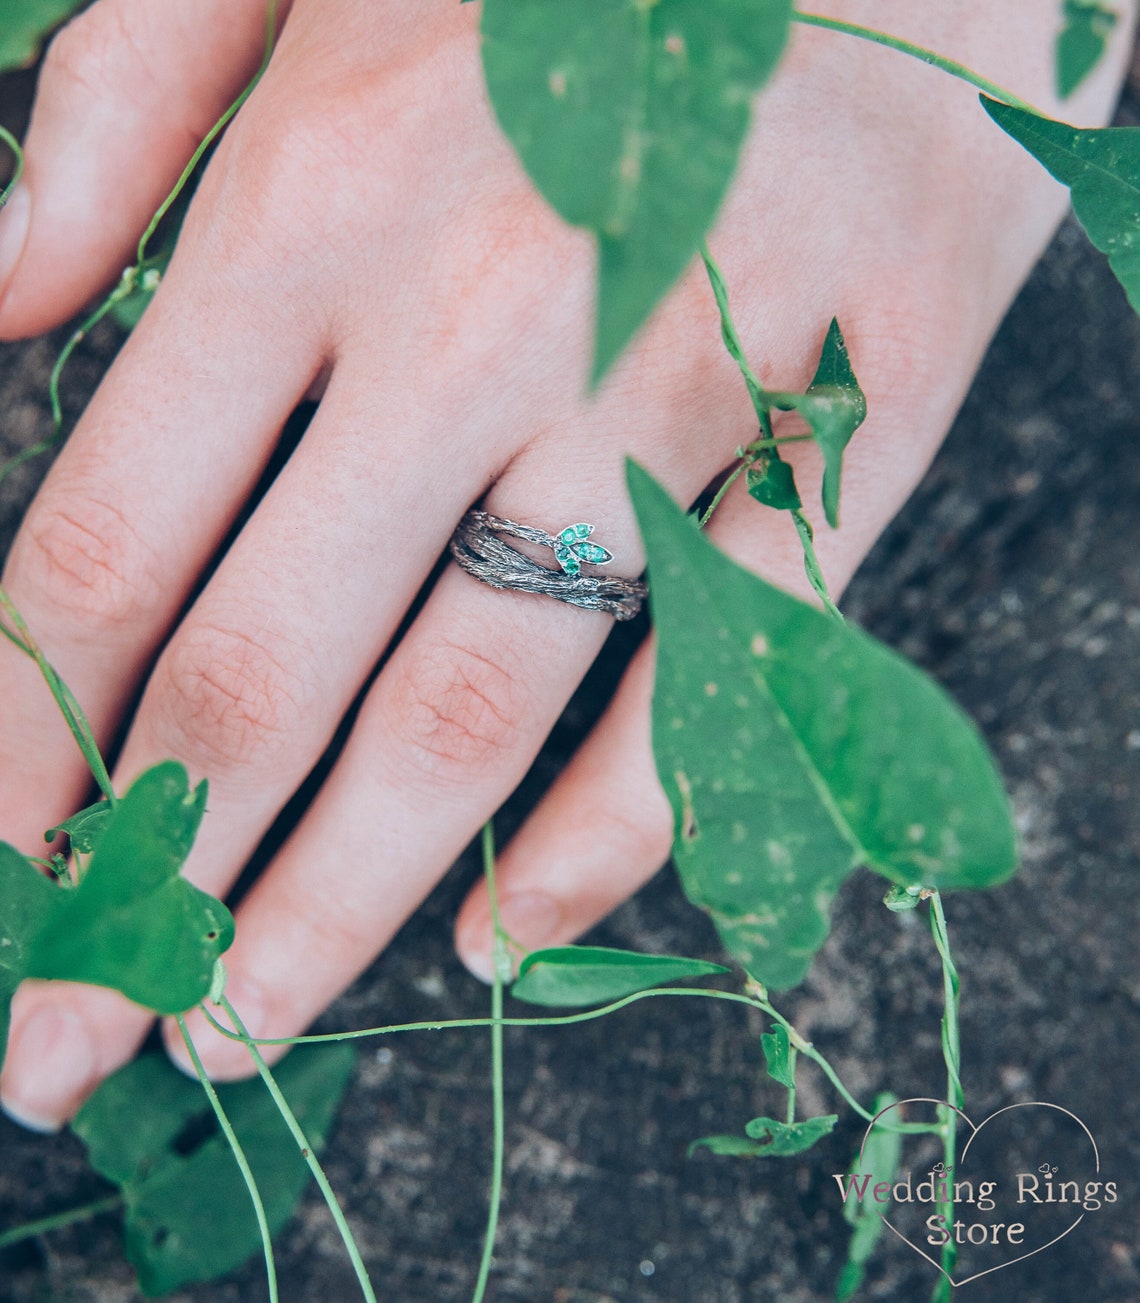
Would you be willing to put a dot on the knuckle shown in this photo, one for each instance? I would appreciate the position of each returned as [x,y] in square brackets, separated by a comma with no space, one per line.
[85,561]
[897,344]
[224,701]
[456,711]
[96,51]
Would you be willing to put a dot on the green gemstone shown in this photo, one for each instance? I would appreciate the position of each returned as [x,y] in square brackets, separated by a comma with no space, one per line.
[583,531]
[595,555]
[568,535]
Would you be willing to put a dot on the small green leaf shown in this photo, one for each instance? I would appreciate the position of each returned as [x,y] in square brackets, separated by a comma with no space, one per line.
[780,1139]
[132,923]
[83,829]
[24,26]
[772,483]
[28,900]
[1081,42]
[901,900]
[733,1146]
[582,975]
[776,1055]
[879,1162]
[835,407]
[1101,167]
[793,748]
[151,1131]
[629,117]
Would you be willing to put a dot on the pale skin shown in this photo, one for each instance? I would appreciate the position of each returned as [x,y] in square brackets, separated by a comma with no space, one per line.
[365,233]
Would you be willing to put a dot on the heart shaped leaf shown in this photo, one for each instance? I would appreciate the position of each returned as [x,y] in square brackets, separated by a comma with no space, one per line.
[131,923]
[151,1131]
[1101,167]
[629,118]
[793,748]
[28,900]
[580,975]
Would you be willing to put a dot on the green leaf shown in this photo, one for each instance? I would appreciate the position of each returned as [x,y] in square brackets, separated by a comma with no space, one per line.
[1101,167]
[151,1131]
[779,1139]
[1081,42]
[24,25]
[772,483]
[733,1146]
[880,1161]
[793,748]
[629,116]
[83,829]
[776,1055]
[834,407]
[132,923]
[581,975]
[28,900]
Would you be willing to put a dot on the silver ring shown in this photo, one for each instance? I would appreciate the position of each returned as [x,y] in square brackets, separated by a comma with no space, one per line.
[479,550]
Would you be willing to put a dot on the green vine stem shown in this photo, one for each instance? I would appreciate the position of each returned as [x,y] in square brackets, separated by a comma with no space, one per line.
[18,170]
[955,1096]
[919,52]
[70,709]
[500,972]
[562,1020]
[239,1158]
[761,404]
[212,135]
[59,1220]
[307,1153]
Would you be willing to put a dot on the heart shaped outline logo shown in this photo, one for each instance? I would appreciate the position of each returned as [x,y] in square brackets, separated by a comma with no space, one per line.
[974,1130]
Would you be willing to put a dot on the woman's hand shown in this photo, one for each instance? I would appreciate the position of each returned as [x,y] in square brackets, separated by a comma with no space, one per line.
[366,233]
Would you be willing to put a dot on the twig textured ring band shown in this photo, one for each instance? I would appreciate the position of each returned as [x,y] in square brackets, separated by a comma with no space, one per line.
[479,550]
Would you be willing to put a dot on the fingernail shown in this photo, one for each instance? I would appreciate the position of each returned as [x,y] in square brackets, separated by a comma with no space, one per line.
[14,219]
[531,918]
[223,1059]
[50,1069]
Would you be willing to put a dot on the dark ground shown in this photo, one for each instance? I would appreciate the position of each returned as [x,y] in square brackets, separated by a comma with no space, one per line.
[1012,576]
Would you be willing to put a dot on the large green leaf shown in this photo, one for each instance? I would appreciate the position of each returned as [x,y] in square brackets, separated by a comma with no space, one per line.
[793,748]
[27,900]
[1101,167]
[1080,42]
[132,923]
[629,116]
[581,975]
[151,1131]
[835,407]
[25,23]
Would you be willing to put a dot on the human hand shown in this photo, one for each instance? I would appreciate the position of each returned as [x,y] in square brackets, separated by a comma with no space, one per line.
[364,230]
